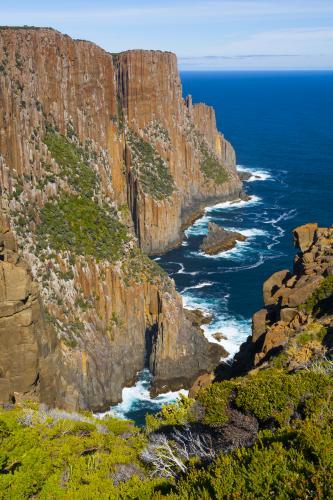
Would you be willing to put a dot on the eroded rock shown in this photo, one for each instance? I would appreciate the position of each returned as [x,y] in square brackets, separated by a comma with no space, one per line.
[219,239]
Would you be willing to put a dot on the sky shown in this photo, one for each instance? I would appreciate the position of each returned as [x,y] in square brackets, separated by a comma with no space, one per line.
[205,34]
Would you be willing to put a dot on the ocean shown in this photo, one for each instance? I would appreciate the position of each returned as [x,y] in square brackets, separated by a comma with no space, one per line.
[281,126]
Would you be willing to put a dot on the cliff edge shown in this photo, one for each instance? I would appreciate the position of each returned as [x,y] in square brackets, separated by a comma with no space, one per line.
[101,161]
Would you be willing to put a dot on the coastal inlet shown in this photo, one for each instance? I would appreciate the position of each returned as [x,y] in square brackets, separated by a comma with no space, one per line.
[219,285]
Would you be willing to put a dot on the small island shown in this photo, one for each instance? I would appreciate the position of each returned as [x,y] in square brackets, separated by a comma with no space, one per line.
[219,239]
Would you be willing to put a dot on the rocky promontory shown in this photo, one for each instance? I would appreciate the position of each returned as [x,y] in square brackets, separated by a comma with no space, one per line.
[297,304]
[219,239]
[100,158]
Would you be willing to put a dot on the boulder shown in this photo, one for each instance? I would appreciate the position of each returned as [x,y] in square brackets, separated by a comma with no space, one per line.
[201,382]
[304,236]
[259,320]
[219,239]
[276,337]
[15,282]
[244,176]
[273,284]
[287,314]
[300,295]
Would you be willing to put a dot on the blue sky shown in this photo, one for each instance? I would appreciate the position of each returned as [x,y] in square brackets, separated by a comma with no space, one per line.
[205,34]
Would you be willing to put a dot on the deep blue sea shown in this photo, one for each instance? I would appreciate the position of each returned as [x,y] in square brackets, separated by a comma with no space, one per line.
[281,126]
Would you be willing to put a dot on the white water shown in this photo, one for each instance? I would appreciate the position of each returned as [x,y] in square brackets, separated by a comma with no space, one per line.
[235,330]
[138,396]
[257,175]
[200,227]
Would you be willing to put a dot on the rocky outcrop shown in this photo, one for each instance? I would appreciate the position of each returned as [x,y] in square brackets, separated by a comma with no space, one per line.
[24,337]
[219,239]
[295,302]
[110,139]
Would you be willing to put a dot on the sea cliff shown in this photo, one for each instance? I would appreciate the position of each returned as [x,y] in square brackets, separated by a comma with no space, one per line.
[101,163]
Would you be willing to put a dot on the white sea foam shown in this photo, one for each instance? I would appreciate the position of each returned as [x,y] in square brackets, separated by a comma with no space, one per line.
[192,302]
[249,233]
[200,285]
[280,231]
[139,395]
[256,174]
[200,227]
[235,329]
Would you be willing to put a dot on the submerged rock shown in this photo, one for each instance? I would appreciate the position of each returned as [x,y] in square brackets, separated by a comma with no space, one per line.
[219,239]
[219,336]
[244,176]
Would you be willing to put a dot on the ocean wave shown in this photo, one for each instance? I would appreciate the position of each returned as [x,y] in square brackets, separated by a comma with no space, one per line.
[231,205]
[193,302]
[249,233]
[256,174]
[235,331]
[290,214]
[200,226]
[138,396]
[199,286]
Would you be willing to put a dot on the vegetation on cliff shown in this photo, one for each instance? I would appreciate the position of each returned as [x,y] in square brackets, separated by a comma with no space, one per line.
[54,454]
[80,176]
[264,434]
[152,170]
[321,299]
[81,226]
[211,167]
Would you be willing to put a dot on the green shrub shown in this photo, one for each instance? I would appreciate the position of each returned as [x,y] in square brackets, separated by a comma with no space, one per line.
[210,166]
[178,413]
[139,268]
[275,394]
[215,401]
[323,292]
[151,168]
[83,227]
[212,169]
[80,176]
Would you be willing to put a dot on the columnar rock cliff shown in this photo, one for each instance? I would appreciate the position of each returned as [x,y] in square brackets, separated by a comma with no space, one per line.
[101,162]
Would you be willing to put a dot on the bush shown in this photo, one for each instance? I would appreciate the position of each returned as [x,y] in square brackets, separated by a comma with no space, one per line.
[178,413]
[83,227]
[321,298]
[152,170]
[215,401]
[273,394]
[80,176]
[210,166]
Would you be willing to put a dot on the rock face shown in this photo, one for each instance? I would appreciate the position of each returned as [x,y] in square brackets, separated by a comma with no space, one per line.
[289,297]
[219,239]
[97,144]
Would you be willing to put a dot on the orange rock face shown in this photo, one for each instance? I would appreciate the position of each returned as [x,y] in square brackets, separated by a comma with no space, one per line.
[97,100]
